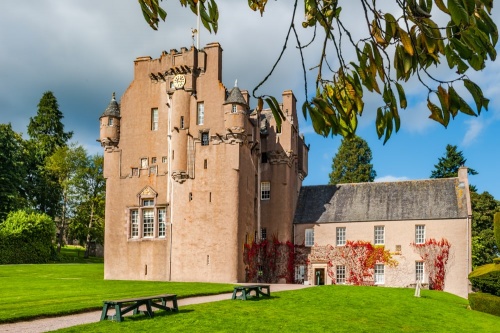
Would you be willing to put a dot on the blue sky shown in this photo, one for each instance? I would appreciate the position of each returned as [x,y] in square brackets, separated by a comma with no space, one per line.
[84,50]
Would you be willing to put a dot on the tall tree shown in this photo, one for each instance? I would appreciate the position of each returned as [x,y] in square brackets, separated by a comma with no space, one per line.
[484,249]
[12,171]
[66,164]
[90,187]
[403,39]
[352,163]
[449,164]
[46,132]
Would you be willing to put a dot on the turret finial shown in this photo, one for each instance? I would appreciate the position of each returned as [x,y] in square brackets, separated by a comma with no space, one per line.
[236,83]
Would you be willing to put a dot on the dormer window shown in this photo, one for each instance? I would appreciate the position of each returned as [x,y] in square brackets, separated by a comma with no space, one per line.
[233,109]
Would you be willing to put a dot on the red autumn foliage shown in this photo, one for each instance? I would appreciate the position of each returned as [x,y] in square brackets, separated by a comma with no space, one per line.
[435,255]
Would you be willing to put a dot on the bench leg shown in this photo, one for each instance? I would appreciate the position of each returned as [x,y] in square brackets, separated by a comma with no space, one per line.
[149,311]
[118,312]
[175,307]
[104,314]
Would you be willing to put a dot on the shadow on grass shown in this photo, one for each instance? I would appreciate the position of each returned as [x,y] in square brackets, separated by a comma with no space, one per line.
[140,317]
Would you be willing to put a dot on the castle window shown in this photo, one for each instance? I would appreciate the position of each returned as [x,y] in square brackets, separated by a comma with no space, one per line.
[164,159]
[135,171]
[110,121]
[154,119]
[148,219]
[340,236]
[182,122]
[152,170]
[263,157]
[340,276]
[144,163]
[309,237]
[379,235]
[263,233]
[265,191]
[419,234]
[233,109]
[205,164]
[190,196]
[419,271]
[162,222]
[134,223]
[379,274]
[200,116]
[204,138]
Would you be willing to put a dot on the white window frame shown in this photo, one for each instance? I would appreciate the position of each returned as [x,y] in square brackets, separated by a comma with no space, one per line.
[419,234]
[200,113]
[379,274]
[340,238]
[154,119]
[134,223]
[162,222]
[309,237]
[148,222]
[340,274]
[299,273]
[379,235]
[110,121]
[419,271]
[234,109]
[265,191]
[144,163]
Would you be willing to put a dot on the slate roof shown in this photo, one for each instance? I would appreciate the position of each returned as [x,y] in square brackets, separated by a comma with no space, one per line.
[235,97]
[392,201]
[113,108]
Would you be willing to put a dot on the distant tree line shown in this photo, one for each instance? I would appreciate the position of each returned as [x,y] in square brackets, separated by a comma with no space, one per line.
[51,180]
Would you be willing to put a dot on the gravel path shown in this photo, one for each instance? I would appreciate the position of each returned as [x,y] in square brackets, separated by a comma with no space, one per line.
[55,323]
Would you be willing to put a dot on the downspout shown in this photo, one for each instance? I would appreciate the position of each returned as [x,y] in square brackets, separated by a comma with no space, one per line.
[258,238]
[170,197]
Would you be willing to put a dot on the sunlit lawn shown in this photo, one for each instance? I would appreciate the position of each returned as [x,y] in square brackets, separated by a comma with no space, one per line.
[28,291]
[317,309]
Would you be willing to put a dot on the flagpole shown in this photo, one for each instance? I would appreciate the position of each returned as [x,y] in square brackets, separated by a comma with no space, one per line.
[198,25]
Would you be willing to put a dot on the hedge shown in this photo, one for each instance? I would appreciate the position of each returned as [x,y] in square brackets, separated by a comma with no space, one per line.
[26,238]
[485,303]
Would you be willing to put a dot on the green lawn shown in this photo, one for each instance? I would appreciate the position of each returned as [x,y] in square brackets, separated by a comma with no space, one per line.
[28,291]
[317,309]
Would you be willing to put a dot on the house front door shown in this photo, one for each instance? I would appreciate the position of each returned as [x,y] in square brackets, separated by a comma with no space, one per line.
[319,276]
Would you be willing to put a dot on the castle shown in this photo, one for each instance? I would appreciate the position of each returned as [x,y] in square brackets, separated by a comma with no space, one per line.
[192,174]
[194,177]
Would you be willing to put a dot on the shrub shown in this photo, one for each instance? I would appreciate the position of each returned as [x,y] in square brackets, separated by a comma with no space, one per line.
[26,238]
[487,278]
[485,303]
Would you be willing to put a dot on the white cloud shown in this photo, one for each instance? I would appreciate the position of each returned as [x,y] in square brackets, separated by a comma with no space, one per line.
[475,127]
[390,178]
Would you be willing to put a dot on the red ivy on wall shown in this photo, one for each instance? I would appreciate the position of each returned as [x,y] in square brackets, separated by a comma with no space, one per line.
[435,255]
[270,261]
[358,257]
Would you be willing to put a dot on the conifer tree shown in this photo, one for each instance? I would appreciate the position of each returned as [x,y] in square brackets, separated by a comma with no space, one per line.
[46,132]
[352,163]
[449,164]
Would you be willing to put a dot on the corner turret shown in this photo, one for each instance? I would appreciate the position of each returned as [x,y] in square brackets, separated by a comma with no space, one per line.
[109,134]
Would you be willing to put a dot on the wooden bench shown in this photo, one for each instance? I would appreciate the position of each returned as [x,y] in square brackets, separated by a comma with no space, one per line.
[243,292]
[132,304]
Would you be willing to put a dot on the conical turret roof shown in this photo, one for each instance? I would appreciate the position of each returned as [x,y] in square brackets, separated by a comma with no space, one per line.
[113,108]
[235,96]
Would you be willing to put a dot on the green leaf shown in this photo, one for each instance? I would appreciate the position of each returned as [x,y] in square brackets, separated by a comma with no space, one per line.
[462,49]
[276,110]
[388,130]
[440,5]
[458,12]
[402,96]
[390,27]
[380,122]
[477,94]
[454,101]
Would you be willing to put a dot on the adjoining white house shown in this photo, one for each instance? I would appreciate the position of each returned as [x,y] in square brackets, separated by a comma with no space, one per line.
[424,224]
